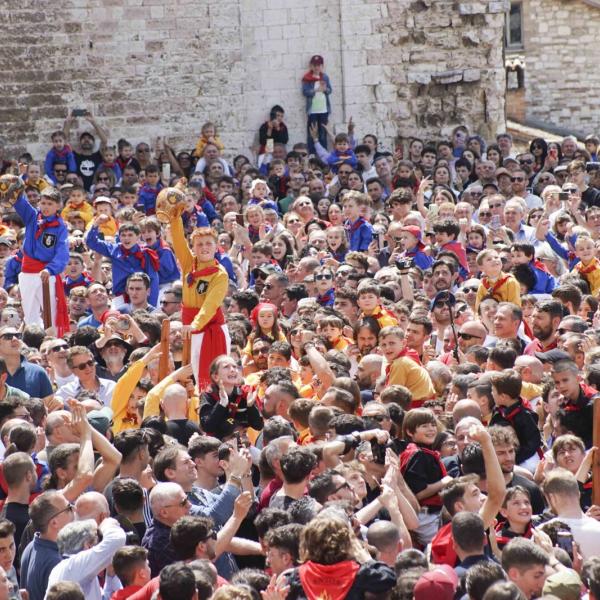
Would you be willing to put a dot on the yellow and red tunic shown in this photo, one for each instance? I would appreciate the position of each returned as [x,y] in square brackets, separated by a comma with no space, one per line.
[205,286]
[591,273]
[504,289]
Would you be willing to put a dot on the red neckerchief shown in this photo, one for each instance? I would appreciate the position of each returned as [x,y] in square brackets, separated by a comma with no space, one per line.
[325,298]
[141,254]
[43,224]
[504,534]
[352,227]
[380,312]
[192,276]
[593,266]
[332,582]
[539,265]
[310,77]
[405,457]
[487,284]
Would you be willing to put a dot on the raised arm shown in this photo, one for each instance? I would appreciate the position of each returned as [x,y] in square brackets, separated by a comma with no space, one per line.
[85,464]
[102,134]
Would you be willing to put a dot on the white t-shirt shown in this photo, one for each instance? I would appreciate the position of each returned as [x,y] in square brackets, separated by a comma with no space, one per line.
[586,532]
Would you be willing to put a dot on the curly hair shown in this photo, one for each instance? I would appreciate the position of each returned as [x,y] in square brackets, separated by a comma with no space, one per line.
[326,541]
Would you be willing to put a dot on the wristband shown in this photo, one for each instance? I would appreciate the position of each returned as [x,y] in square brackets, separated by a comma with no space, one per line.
[351,442]
[236,480]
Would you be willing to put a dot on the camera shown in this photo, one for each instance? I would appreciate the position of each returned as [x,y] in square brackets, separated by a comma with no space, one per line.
[563,196]
[404,264]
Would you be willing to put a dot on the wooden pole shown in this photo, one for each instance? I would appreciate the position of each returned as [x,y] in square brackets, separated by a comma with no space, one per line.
[163,365]
[186,355]
[47,307]
[596,459]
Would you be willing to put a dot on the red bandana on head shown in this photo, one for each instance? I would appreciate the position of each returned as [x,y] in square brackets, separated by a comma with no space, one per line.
[258,308]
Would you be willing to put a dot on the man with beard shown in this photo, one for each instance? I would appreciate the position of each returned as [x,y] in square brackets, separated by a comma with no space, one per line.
[176,342]
[546,319]
[113,354]
[274,289]
[171,301]
[278,398]
[86,159]
[440,317]
[383,167]
[367,374]
[472,333]
[444,274]
[418,330]
[505,444]
[289,303]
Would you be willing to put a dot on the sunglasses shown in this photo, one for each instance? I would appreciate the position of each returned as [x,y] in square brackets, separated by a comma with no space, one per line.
[212,535]
[268,286]
[468,336]
[292,221]
[469,290]
[571,190]
[260,351]
[60,171]
[513,179]
[485,214]
[84,365]
[101,178]
[10,336]
[321,277]
[562,331]
[59,348]
[527,161]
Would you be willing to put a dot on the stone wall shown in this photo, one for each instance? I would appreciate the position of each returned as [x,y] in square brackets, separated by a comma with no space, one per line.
[562,81]
[149,67]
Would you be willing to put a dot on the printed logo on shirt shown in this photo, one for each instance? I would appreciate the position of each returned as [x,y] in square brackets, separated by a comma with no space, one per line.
[48,239]
[86,168]
[202,287]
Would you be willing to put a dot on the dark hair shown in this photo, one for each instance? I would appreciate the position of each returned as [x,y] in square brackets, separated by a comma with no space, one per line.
[268,519]
[468,531]
[127,494]
[297,464]
[481,576]
[65,590]
[166,459]
[129,442]
[274,110]
[177,582]
[286,538]
[522,554]
[472,460]
[187,533]
[126,560]
[503,355]
[322,486]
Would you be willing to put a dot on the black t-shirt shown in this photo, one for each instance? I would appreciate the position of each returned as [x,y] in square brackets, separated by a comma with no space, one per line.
[87,166]
[182,430]
[591,197]
[18,515]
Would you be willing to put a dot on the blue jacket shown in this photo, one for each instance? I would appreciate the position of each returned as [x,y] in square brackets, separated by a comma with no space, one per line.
[334,158]
[123,266]
[12,270]
[39,558]
[168,271]
[52,246]
[421,260]
[545,282]
[209,210]
[147,197]
[308,89]
[226,263]
[53,157]
[196,218]
[360,234]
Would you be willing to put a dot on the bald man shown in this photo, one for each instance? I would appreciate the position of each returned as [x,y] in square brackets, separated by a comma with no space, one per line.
[368,371]
[531,370]
[466,408]
[472,333]
[92,505]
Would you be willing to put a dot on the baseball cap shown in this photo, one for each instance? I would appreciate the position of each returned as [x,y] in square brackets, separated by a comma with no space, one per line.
[502,171]
[552,356]
[415,232]
[508,160]
[102,200]
[443,297]
[316,59]
[564,584]
[52,193]
[439,583]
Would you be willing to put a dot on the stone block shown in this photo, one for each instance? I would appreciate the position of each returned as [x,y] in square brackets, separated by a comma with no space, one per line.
[472,8]
[470,75]
[447,77]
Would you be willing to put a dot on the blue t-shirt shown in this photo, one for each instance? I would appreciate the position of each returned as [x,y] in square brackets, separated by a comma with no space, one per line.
[32,379]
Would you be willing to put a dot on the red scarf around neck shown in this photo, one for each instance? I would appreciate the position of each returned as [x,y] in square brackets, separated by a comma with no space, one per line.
[43,224]
[194,275]
[141,254]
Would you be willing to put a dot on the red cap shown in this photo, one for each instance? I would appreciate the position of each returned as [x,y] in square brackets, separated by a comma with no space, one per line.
[316,60]
[439,583]
[416,232]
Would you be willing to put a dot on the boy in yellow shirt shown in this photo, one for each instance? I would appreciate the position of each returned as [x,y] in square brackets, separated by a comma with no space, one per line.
[76,204]
[330,327]
[369,303]
[589,266]
[496,284]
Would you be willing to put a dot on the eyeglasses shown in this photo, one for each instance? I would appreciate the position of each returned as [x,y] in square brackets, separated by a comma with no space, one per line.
[468,336]
[10,336]
[84,365]
[59,348]
[260,350]
[69,507]
[513,179]
[485,214]
[180,504]
[322,276]
[344,485]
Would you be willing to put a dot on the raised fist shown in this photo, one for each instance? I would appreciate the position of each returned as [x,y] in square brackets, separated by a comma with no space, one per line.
[10,188]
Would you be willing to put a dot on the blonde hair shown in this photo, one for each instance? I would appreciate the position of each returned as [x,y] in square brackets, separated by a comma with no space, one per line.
[203,232]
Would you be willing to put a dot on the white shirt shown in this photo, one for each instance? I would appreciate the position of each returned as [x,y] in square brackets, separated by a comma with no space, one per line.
[586,532]
[70,390]
[83,567]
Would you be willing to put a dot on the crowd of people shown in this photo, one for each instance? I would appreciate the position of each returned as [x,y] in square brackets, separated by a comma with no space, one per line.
[378,380]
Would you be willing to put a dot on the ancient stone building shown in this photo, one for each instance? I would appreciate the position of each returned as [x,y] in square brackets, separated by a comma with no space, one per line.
[150,67]
[552,65]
